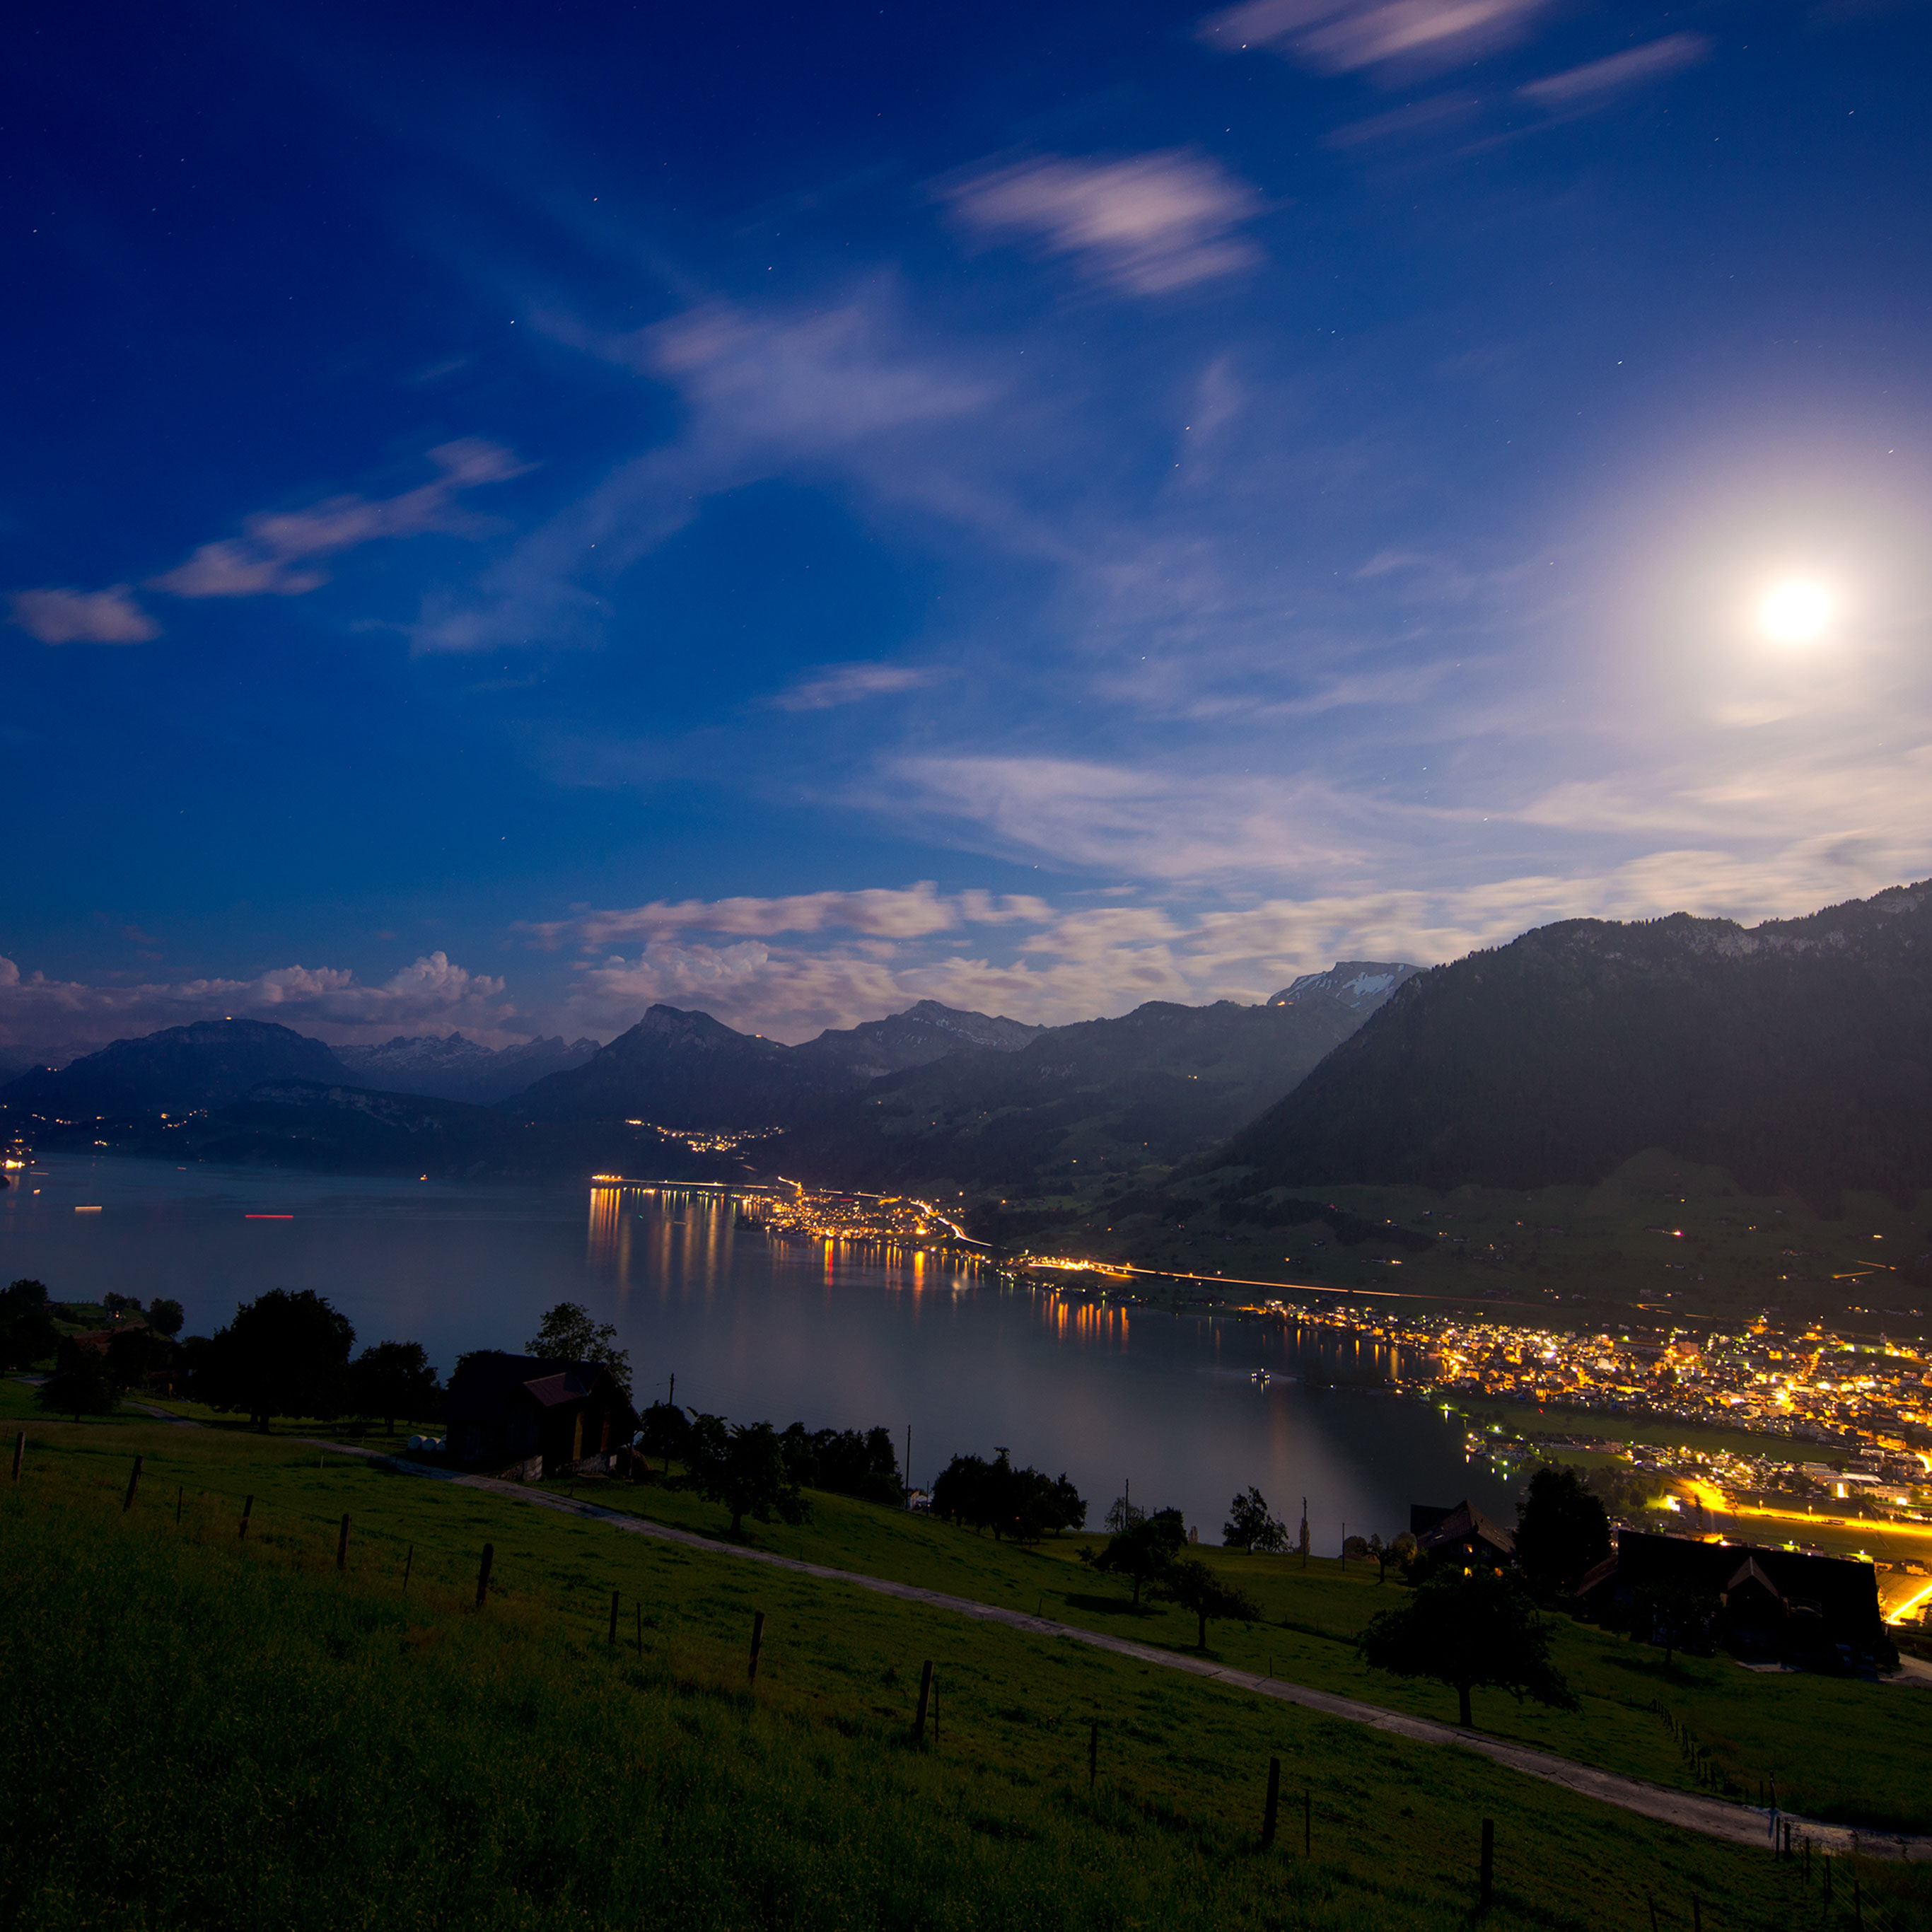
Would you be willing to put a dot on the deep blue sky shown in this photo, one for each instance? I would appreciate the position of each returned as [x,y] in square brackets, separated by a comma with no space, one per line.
[1038,507]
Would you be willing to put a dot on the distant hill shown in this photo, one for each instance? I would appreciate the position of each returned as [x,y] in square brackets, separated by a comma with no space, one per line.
[1794,1054]
[456,1068]
[204,1065]
[1157,1085]
[686,1070]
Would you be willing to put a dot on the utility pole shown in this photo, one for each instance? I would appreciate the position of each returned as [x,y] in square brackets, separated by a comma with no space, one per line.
[671,1400]
[1304,1532]
[908,1461]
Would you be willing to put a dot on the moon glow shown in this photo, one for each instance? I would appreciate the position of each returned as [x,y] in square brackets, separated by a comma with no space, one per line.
[1795,612]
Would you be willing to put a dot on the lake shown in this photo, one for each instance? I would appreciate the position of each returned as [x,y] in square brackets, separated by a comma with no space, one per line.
[840,1336]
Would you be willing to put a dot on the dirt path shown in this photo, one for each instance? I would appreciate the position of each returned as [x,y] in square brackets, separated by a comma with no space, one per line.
[1716,1817]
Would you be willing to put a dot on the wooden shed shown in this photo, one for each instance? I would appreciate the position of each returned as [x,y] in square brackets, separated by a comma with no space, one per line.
[516,1409]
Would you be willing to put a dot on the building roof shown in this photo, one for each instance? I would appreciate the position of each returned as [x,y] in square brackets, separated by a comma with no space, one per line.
[486,1386]
[1459,1524]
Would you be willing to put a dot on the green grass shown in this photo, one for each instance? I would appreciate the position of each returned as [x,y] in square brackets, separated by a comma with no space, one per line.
[207,1732]
[204,1732]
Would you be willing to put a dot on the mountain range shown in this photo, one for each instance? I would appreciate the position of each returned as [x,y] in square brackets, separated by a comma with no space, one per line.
[1793,1054]
[456,1068]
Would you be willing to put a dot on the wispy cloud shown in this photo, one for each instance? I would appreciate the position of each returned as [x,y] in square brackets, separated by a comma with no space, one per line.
[914,911]
[833,685]
[1597,80]
[1339,36]
[110,617]
[57,1018]
[279,553]
[1148,223]
[837,387]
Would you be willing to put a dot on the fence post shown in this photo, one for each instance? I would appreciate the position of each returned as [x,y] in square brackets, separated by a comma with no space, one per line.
[639,1609]
[1857,1906]
[613,1638]
[1652,1904]
[133,1483]
[178,1504]
[757,1643]
[1696,1913]
[1274,1802]
[409,1562]
[248,1510]
[924,1697]
[342,1545]
[1092,1752]
[1489,1860]
[483,1573]
[19,1449]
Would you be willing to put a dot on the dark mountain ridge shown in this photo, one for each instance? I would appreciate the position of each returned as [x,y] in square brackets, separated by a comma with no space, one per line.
[207,1064]
[1154,1087]
[686,1070]
[1794,1055]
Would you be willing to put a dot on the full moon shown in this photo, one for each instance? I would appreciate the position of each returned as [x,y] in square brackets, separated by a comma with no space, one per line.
[1795,612]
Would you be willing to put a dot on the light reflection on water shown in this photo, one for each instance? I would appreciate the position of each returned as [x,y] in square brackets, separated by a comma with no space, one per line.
[838,1333]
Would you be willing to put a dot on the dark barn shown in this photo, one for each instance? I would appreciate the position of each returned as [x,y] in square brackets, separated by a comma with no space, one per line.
[514,1409]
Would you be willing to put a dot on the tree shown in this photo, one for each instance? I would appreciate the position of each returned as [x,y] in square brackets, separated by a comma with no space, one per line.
[1250,1527]
[81,1385]
[1469,1628]
[393,1379]
[27,1331]
[1144,1554]
[1123,1515]
[136,1354]
[1561,1530]
[1023,1503]
[569,1335]
[741,1465]
[284,1354]
[664,1431]
[845,1462]
[166,1317]
[1188,1582]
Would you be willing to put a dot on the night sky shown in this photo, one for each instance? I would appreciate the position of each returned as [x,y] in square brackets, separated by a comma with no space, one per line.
[513,513]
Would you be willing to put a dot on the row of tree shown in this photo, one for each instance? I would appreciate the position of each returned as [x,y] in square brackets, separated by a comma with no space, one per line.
[1023,1503]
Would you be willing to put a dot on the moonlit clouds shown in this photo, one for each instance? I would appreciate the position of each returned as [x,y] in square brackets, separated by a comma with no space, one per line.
[832,685]
[1148,224]
[1597,80]
[1339,36]
[279,554]
[61,1018]
[110,617]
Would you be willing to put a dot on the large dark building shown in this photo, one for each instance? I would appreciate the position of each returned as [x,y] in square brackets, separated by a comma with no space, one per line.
[1764,1605]
[518,1410]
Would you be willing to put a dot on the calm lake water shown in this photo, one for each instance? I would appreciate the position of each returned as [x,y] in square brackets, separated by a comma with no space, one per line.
[756,1331]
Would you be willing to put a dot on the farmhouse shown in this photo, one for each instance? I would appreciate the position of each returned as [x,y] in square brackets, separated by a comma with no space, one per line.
[518,1409]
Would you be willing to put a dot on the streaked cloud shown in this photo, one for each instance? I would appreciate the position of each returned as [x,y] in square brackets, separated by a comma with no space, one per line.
[911,912]
[110,617]
[832,685]
[1597,80]
[1340,36]
[1148,223]
[279,553]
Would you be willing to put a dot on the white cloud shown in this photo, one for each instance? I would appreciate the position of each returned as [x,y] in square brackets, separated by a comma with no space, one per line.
[1149,223]
[1339,36]
[110,617]
[833,685]
[915,911]
[1597,79]
[276,557]
[56,1019]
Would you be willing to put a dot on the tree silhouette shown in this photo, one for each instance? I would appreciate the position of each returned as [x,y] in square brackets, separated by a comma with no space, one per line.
[80,1386]
[1250,1527]
[1561,1530]
[1188,1582]
[1466,1628]
[27,1331]
[568,1334]
[741,1465]
[1145,1553]
[283,1354]
[393,1379]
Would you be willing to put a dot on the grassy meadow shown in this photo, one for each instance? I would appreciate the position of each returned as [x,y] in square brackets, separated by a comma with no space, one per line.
[202,1730]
